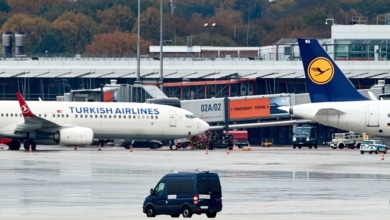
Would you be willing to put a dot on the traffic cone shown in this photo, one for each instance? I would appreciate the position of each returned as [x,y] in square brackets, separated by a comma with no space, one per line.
[383,157]
[234,147]
[227,150]
[30,149]
[100,147]
[207,151]
[131,148]
[249,147]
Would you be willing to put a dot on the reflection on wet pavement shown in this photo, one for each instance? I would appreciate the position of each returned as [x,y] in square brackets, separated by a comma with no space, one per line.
[267,182]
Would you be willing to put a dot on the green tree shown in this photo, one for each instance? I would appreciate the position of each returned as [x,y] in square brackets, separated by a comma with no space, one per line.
[118,17]
[150,23]
[52,43]
[76,29]
[32,7]
[4,7]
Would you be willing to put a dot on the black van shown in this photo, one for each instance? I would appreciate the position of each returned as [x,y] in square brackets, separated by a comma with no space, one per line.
[185,193]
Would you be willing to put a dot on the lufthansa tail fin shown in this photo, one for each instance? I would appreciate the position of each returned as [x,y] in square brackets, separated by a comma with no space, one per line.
[325,81]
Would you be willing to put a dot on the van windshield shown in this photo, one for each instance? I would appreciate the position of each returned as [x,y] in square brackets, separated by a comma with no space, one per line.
[209,186]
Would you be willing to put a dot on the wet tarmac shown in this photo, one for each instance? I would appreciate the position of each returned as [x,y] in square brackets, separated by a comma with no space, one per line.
[264,183]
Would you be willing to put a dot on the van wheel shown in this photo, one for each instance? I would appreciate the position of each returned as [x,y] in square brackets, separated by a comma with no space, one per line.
[150,211]
[186,212]
[173,147]
[175,216]
[211,215]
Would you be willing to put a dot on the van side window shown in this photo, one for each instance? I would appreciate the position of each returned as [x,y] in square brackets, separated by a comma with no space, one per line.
[180,187]
[160,188]
[209,186]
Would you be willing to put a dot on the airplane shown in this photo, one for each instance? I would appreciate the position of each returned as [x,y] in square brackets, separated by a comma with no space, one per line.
[78,123]
[335,101]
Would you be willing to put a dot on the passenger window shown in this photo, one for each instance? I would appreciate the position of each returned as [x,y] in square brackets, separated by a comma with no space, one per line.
[159,190]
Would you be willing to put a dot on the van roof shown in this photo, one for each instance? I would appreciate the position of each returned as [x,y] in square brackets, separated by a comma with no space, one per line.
[183,174]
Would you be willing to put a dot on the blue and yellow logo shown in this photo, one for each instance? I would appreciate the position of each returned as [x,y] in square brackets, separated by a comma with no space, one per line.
[320,70]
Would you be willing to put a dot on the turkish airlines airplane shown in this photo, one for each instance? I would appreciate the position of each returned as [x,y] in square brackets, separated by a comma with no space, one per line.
[334,100]
[78,123]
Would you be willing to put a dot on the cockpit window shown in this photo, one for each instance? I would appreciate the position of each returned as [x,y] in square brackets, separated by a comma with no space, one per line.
[189,116]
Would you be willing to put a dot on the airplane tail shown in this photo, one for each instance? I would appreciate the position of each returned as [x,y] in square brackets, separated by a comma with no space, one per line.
[325,81]
[26,111]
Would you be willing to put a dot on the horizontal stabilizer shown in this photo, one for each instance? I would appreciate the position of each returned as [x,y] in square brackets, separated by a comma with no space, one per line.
[329,111]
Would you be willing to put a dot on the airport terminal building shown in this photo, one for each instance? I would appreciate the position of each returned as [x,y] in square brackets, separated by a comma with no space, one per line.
[202,72]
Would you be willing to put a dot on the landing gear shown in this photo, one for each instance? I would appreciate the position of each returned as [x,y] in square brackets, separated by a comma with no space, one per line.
[14,145]
[29,143]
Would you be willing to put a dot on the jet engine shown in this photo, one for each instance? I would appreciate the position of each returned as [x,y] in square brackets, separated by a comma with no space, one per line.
[74,136]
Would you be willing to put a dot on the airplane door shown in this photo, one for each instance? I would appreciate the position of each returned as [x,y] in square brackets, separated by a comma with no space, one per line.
[172,118]
[373,117]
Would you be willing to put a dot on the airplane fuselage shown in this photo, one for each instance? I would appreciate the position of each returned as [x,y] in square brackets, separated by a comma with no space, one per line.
[371,117]
[107,120]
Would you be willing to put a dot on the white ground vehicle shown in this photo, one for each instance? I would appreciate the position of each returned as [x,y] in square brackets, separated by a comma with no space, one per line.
[347,139]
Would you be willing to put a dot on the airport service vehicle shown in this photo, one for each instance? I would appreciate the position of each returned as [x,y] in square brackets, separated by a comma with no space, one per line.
[349,140]
[335,101]
[78,123]
[138,143]
[305,136]
[227,139]
[180,143]
[240,138]
[5,141]
[373,145]
[185,193]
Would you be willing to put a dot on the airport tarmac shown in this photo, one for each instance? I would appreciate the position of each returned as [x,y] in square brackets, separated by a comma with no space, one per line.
[264,183]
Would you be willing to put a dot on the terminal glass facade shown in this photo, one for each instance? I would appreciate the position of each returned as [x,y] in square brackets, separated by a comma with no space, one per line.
[362,49]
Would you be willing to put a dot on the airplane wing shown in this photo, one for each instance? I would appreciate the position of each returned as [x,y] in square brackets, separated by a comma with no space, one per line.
[329,111]
[31,121]
[261,124]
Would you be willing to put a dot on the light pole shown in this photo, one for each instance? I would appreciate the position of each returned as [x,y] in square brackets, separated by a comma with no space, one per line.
[212,25]
[234,35]
[161,46]
[329,20]
[138,80]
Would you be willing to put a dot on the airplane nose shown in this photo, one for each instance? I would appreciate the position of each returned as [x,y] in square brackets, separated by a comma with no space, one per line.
[204,126]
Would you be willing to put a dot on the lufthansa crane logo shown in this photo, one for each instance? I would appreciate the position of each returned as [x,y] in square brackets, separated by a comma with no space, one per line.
[320,70]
